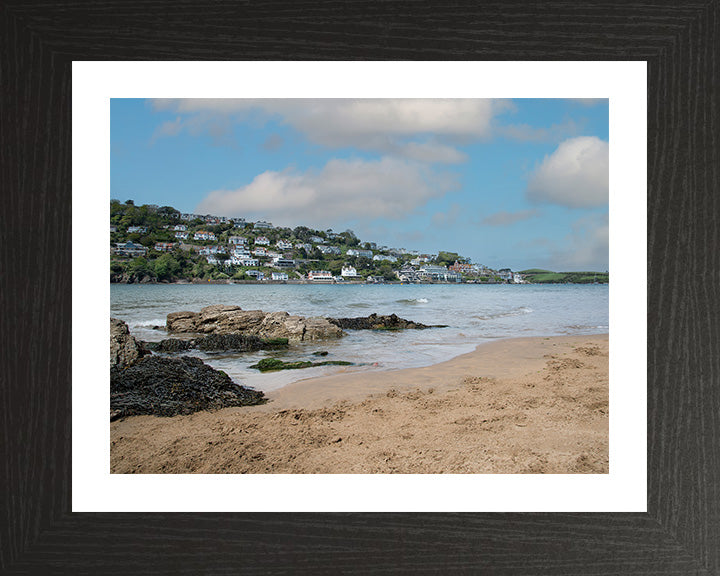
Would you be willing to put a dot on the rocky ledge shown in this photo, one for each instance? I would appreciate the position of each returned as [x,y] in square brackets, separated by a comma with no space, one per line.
[217,343]
[375,322]
[171,386]
[221,319]
[141,383]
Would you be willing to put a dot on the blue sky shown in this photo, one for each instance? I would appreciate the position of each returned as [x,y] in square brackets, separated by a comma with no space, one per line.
[508,183]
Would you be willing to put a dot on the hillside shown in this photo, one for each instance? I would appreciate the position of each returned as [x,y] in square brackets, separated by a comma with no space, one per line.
[538,276]
[159,244]
[166,247]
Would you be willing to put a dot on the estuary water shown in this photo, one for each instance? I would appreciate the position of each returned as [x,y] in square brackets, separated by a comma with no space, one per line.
[474,314]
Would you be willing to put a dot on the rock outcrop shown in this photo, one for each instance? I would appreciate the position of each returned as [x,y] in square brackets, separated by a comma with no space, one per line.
[170,386]
[375,322]
[236,342]
[124,349]
[221,319]
[131,278]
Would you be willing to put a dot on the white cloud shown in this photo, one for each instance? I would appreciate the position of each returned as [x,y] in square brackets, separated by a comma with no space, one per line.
[507,218]
[344,190]
[576,175]
[390,126]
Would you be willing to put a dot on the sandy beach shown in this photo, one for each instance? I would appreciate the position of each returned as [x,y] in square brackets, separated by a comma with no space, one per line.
[522,405]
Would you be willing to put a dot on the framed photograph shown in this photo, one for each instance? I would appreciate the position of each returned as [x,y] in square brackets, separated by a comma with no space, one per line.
[649,507]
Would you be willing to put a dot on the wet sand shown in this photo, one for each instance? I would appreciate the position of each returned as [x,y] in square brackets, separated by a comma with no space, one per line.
[524,405]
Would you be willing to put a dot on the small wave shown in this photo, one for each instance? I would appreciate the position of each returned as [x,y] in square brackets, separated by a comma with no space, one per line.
[514,312]
[586,327]
[149,323]
[359,305]
[412,301]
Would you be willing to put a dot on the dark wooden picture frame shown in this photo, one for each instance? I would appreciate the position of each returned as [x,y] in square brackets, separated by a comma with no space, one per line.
[680,533]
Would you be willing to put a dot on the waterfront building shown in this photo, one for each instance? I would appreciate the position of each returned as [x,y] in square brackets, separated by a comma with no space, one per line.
[349,273]
[320,276]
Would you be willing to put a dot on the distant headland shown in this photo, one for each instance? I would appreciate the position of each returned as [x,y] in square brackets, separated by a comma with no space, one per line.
[151,243]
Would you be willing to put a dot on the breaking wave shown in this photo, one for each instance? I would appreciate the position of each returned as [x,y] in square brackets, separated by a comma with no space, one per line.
[148,323]
[412,301]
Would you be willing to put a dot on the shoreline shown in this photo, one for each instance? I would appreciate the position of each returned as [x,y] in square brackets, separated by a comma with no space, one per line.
[348,384]
[516,405]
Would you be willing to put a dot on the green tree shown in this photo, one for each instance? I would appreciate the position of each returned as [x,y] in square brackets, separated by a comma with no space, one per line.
[386,272]
[166,267]
[448,258]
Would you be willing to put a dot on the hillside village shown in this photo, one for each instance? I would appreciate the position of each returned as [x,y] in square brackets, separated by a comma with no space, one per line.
[149,243]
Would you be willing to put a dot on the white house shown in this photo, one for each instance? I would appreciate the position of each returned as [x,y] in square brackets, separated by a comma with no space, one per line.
[257,274]
[180,228]
[380,257]
[243,261]
[284,245]
[136,230]
[262,224]
[240,250]
[420,260]
[206,250]
[204,235]
[181,235]
[279,276]
[237,240]
[262,241]
[349,272]
[363,253]
[164,246]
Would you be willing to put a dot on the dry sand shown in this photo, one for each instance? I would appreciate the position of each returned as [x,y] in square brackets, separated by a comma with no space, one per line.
[525,405]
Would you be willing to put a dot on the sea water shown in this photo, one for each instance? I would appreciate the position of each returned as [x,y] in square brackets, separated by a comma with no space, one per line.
[473,313]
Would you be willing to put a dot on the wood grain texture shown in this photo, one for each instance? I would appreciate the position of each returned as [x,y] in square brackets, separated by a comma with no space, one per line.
[681,532]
